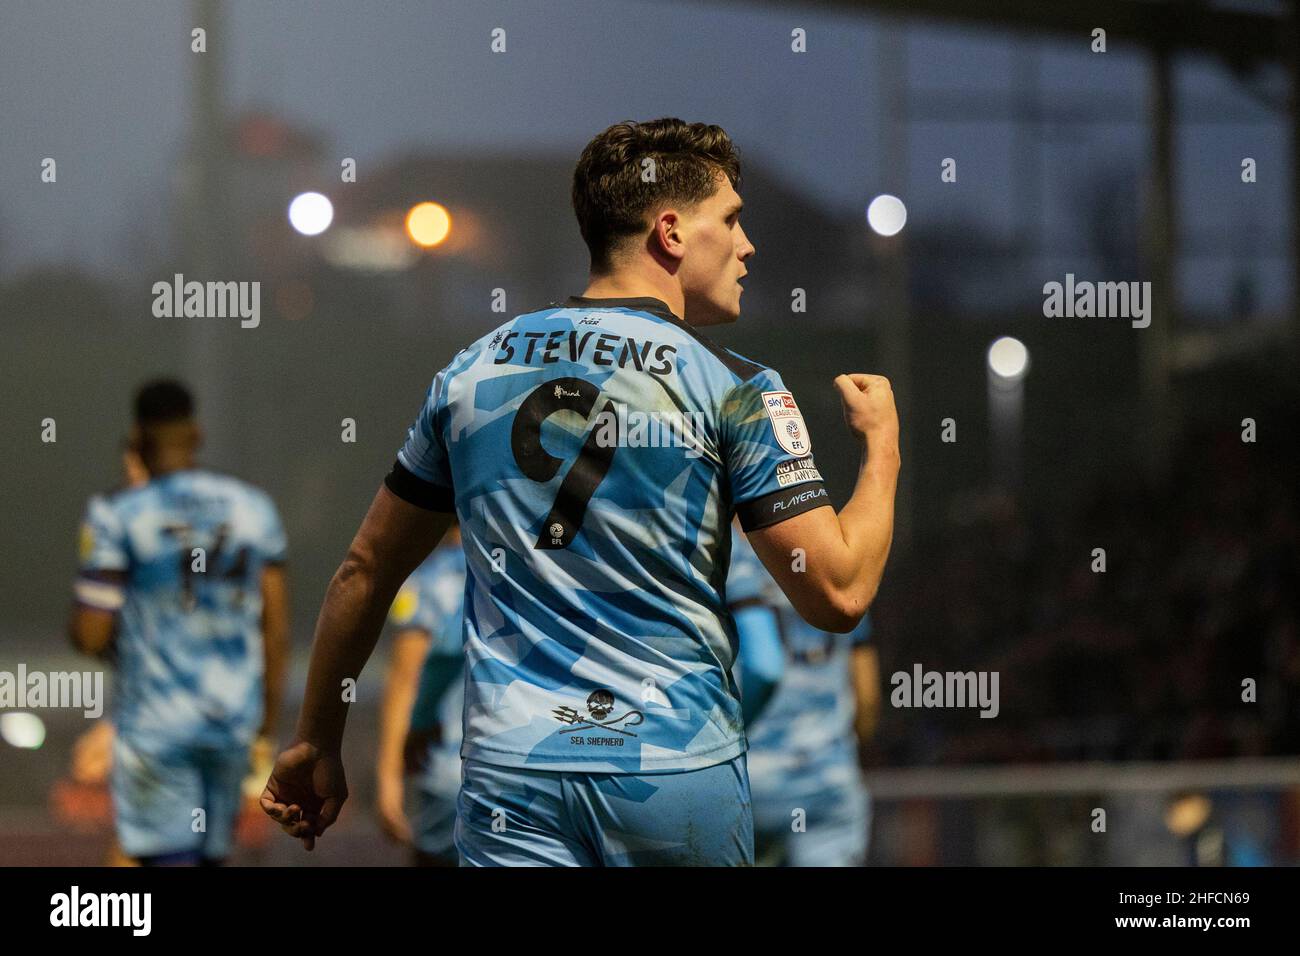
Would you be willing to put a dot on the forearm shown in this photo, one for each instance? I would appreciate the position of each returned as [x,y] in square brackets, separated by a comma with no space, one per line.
[867,528]
[394,723]
[351,618]
[865,675]
[395,709]
[272,693]
[277,656]
[275,645]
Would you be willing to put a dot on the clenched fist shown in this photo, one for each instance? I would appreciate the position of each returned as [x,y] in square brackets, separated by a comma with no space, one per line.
[869,410]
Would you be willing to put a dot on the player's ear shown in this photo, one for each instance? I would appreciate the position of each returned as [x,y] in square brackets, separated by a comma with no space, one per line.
[666,238]
[197,436]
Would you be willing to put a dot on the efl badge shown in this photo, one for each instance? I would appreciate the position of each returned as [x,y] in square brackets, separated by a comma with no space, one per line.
[787,424]
[86,542]
[404,606]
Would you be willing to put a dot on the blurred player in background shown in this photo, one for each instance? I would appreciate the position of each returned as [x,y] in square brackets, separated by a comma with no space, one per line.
[181,582]
[811,807]
[81,800]
[602,722]
[420,717]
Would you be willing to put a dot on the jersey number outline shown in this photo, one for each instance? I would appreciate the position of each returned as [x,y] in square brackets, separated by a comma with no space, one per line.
[565,518]
[236,570]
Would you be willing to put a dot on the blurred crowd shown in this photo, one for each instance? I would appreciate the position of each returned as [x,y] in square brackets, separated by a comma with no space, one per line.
[1144,661]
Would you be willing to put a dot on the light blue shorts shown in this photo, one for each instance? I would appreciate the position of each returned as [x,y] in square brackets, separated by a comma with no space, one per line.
[817,819]
[509,816]
[156,796]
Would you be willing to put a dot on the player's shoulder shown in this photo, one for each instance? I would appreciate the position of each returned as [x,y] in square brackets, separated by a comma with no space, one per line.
[238,492]
[108,506]
[220,482]
[747,369]
[693,353]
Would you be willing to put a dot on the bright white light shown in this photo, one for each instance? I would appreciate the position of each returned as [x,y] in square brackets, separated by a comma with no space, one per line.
[311,214]
[887,215]
[19,729]
[1008,358]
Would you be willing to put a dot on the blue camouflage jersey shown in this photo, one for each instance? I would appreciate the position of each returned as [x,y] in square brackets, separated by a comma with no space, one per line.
[804,738]
[431,601]
[595,453]
[189,646]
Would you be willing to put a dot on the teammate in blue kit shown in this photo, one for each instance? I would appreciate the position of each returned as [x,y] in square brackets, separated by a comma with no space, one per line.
[420,724]
[181,582]
[595,452]
[811,807]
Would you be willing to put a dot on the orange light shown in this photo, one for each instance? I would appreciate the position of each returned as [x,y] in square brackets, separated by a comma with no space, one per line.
[428,224]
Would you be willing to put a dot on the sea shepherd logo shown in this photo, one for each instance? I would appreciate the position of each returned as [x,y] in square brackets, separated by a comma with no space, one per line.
[600,704]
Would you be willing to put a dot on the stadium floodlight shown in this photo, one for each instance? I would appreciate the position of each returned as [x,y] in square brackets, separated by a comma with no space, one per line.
[428,224]
[1008,359]
[886,215]
[311,213]
[22,730]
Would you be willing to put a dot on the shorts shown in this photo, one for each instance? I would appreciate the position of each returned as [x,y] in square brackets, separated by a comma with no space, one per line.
[826,825]
[156,797]
[510,816]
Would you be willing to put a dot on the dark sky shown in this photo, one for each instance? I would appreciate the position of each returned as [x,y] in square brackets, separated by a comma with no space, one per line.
[102,88]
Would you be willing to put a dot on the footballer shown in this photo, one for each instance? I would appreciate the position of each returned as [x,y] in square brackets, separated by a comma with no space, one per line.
[602,722]
[181,582]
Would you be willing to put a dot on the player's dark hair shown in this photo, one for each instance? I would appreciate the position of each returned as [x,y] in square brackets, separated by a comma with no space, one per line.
[610,195]
[163,401]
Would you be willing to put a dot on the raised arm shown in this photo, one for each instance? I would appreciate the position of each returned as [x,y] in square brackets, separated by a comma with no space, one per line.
[844,554]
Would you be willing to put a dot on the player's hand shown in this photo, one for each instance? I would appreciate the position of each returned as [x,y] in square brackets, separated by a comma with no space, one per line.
[869,410]
[92,755]
[392,817]
[306,791]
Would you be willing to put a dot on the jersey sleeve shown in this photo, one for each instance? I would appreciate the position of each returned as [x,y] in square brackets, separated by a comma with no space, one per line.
[768,453]
[275,543]
[410,610]
[422,473]
[102,558]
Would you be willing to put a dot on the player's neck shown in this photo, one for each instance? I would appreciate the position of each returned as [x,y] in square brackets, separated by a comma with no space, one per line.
[629,286]
[165,464]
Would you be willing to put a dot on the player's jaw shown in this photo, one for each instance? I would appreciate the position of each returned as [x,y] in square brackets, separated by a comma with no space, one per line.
[712,295]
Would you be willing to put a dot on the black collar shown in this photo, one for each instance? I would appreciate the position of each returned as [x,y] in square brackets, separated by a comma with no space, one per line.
[642,303]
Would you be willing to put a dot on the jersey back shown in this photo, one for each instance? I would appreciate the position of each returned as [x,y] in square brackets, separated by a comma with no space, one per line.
[188,548]
[595,453]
